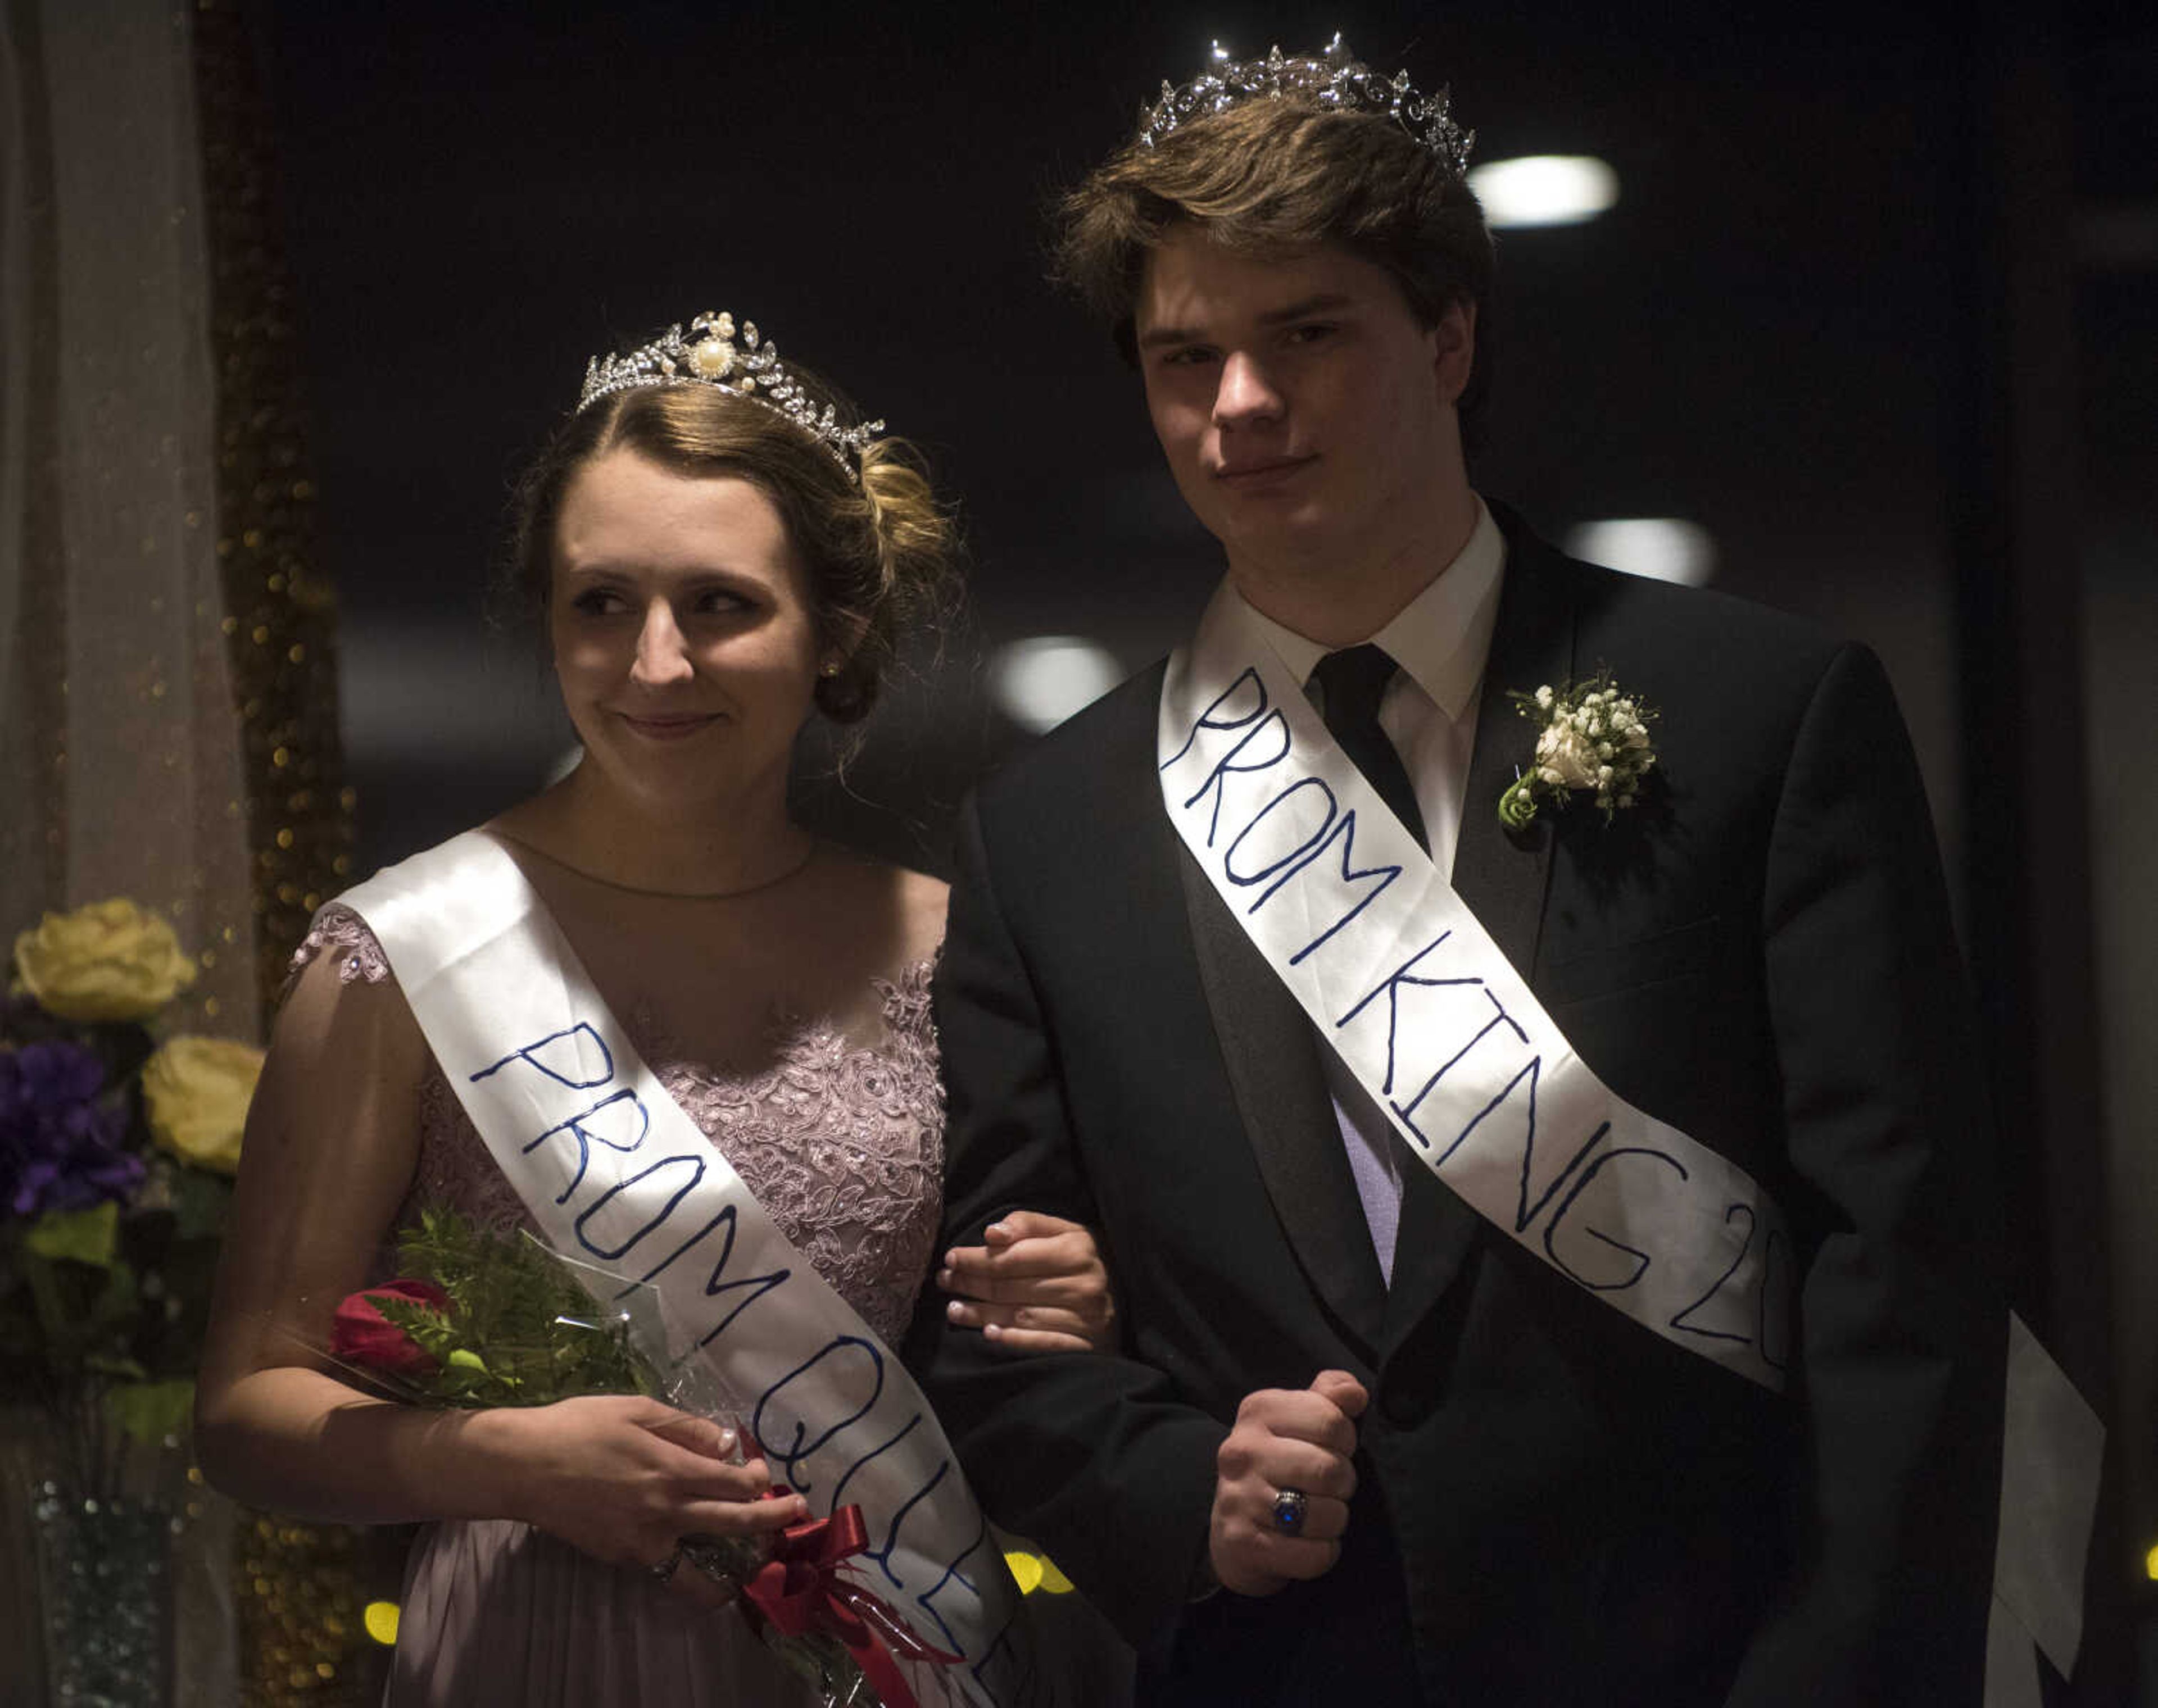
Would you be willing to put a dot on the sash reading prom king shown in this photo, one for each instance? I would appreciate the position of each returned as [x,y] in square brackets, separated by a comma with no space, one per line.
[1430,1016]
[615,1174]
[1426,1011]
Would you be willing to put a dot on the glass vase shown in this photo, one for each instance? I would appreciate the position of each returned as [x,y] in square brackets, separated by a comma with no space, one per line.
[106,1581]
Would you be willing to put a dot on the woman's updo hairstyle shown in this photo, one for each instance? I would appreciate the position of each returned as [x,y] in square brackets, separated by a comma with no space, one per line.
[879,552]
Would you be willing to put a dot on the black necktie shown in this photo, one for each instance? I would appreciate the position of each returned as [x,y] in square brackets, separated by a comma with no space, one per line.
[1352,683]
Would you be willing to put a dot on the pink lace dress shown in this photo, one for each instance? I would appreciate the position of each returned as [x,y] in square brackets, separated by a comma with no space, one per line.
[843,1143]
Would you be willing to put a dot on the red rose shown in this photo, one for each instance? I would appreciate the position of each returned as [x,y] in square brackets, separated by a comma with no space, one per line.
[360,1334]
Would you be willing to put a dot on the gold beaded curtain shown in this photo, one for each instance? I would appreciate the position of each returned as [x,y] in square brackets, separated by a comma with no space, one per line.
[167,701]
[296,1588]
[279,611]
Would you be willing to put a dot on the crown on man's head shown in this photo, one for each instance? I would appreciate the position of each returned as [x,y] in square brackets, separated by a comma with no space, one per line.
[1335,81]
[748,366]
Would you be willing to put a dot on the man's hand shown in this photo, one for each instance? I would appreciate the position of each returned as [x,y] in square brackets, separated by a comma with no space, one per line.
[1285,1439]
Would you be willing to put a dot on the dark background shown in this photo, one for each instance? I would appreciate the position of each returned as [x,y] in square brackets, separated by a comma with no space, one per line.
[1878,307]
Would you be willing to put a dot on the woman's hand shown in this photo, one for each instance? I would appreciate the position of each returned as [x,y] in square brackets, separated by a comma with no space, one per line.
[624,1478]
[1037,1285]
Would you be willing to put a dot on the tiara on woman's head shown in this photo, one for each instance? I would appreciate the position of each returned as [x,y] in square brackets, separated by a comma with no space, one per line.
[747,365]
[1335,81]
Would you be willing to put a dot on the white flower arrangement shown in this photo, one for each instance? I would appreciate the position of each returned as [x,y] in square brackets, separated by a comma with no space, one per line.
[1594,736]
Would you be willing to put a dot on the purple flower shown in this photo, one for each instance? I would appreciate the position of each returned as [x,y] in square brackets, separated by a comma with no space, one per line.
[60,1145]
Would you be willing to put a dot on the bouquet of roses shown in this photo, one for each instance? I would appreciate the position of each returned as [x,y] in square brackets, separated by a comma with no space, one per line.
[479,1317]
[116,1151]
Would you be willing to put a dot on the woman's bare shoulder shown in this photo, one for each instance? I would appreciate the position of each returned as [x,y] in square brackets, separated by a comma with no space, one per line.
[911,902]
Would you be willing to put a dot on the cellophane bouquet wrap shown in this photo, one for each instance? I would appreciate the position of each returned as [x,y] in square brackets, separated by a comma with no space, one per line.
[477,1317]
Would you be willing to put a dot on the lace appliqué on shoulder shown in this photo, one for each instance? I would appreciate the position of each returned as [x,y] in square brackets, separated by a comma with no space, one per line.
[359,956]
[842,1143]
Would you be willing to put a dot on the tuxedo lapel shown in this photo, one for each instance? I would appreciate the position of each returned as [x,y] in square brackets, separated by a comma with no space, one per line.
[1501,875]
[1267,1043]
[1273,1059]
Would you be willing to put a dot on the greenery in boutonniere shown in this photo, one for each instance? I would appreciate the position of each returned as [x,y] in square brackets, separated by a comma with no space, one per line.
[116,1152]
[1593,736]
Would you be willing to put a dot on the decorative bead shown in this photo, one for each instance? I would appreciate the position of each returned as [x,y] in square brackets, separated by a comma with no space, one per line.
[712,359]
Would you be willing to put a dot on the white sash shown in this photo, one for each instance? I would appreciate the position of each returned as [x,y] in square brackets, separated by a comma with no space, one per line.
[616,1175]
[1427,1013]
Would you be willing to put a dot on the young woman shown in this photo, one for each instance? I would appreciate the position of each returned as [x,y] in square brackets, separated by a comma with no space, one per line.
[721,554]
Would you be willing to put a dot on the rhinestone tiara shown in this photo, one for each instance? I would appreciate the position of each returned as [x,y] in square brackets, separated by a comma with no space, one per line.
[1334,82]
[747,365]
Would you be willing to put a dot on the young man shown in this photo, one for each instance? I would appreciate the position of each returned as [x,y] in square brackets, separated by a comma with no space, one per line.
[1569,1283]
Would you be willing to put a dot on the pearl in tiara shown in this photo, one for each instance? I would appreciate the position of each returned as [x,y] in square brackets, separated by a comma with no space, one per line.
[1333,82]
[745,364]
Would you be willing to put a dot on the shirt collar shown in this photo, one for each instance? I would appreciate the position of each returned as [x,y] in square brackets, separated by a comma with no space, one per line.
[1441,637]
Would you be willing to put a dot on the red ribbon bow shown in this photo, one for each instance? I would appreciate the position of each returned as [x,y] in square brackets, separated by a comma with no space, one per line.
[798,1591]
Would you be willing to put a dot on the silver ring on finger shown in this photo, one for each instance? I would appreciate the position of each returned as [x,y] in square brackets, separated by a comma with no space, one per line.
[1290,1508]
[663,1572]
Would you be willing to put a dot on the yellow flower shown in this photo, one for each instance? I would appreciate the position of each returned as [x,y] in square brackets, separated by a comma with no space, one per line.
[196,1091]
[110,961]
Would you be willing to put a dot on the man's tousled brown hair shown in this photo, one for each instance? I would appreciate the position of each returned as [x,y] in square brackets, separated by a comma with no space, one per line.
[1276,177]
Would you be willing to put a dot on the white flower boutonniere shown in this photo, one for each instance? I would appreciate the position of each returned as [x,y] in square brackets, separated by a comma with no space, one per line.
[1594,736]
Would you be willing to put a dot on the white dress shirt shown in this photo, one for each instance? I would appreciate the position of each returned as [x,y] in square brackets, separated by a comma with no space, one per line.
[1439,640]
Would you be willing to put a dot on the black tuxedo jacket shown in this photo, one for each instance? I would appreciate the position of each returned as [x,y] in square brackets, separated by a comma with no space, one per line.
[1555,1506]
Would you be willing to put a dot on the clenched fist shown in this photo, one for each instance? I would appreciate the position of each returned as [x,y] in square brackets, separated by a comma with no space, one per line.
[1285,1438]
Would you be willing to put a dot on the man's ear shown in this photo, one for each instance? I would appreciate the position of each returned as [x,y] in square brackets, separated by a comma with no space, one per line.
[1454,357]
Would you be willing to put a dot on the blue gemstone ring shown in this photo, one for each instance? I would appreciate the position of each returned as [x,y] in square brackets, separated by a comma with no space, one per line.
[1289,1508]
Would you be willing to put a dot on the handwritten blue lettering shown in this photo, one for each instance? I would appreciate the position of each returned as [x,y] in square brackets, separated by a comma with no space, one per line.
[586,1137]
[1217,779]
[1762,1308]
[1558,1218]
[1342,827]
[757,1285]
[1390,987]
[598,1206]
[1009,1671]
[789,1459]
[1315,839]
[1213,718]
[926,1601]
[530,1056]
[882,1556]
[839,1489]
[1500,1018]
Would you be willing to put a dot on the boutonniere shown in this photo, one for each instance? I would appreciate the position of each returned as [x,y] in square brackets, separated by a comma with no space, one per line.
[1593,736]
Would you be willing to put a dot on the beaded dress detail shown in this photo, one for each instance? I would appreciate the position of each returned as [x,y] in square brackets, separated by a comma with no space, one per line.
[842,1143]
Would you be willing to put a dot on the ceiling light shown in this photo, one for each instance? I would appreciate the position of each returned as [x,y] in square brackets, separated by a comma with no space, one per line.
[1543,190]
[1040,682]
[1662,548]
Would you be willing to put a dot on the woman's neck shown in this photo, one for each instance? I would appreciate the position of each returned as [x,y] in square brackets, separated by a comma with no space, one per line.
[711,849]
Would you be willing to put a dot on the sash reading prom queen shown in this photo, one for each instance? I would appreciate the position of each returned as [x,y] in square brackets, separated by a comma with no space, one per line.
[1428,1012]
[613,1172]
